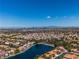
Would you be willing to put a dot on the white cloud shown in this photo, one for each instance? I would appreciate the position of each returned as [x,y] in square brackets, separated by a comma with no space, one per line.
[48,17]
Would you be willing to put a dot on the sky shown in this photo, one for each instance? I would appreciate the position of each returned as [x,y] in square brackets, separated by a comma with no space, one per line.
[38,13]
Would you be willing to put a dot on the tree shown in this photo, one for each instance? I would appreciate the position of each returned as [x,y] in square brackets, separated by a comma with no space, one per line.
[17,51]
[36,57]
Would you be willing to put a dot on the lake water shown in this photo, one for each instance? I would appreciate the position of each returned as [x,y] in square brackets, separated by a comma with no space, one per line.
[33,51]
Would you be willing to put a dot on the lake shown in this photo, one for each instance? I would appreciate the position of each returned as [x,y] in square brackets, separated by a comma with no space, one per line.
[37,49]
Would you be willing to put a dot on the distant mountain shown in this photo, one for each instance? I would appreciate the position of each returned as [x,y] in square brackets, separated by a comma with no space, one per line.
[40,28]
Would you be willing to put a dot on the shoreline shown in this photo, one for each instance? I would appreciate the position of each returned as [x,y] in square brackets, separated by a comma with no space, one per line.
[18,53]
[52,45]
[29,48]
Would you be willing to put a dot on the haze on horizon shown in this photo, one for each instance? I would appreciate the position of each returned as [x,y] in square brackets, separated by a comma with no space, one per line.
[37,13]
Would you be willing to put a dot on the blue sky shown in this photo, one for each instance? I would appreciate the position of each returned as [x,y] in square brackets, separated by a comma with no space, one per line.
[37,13]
